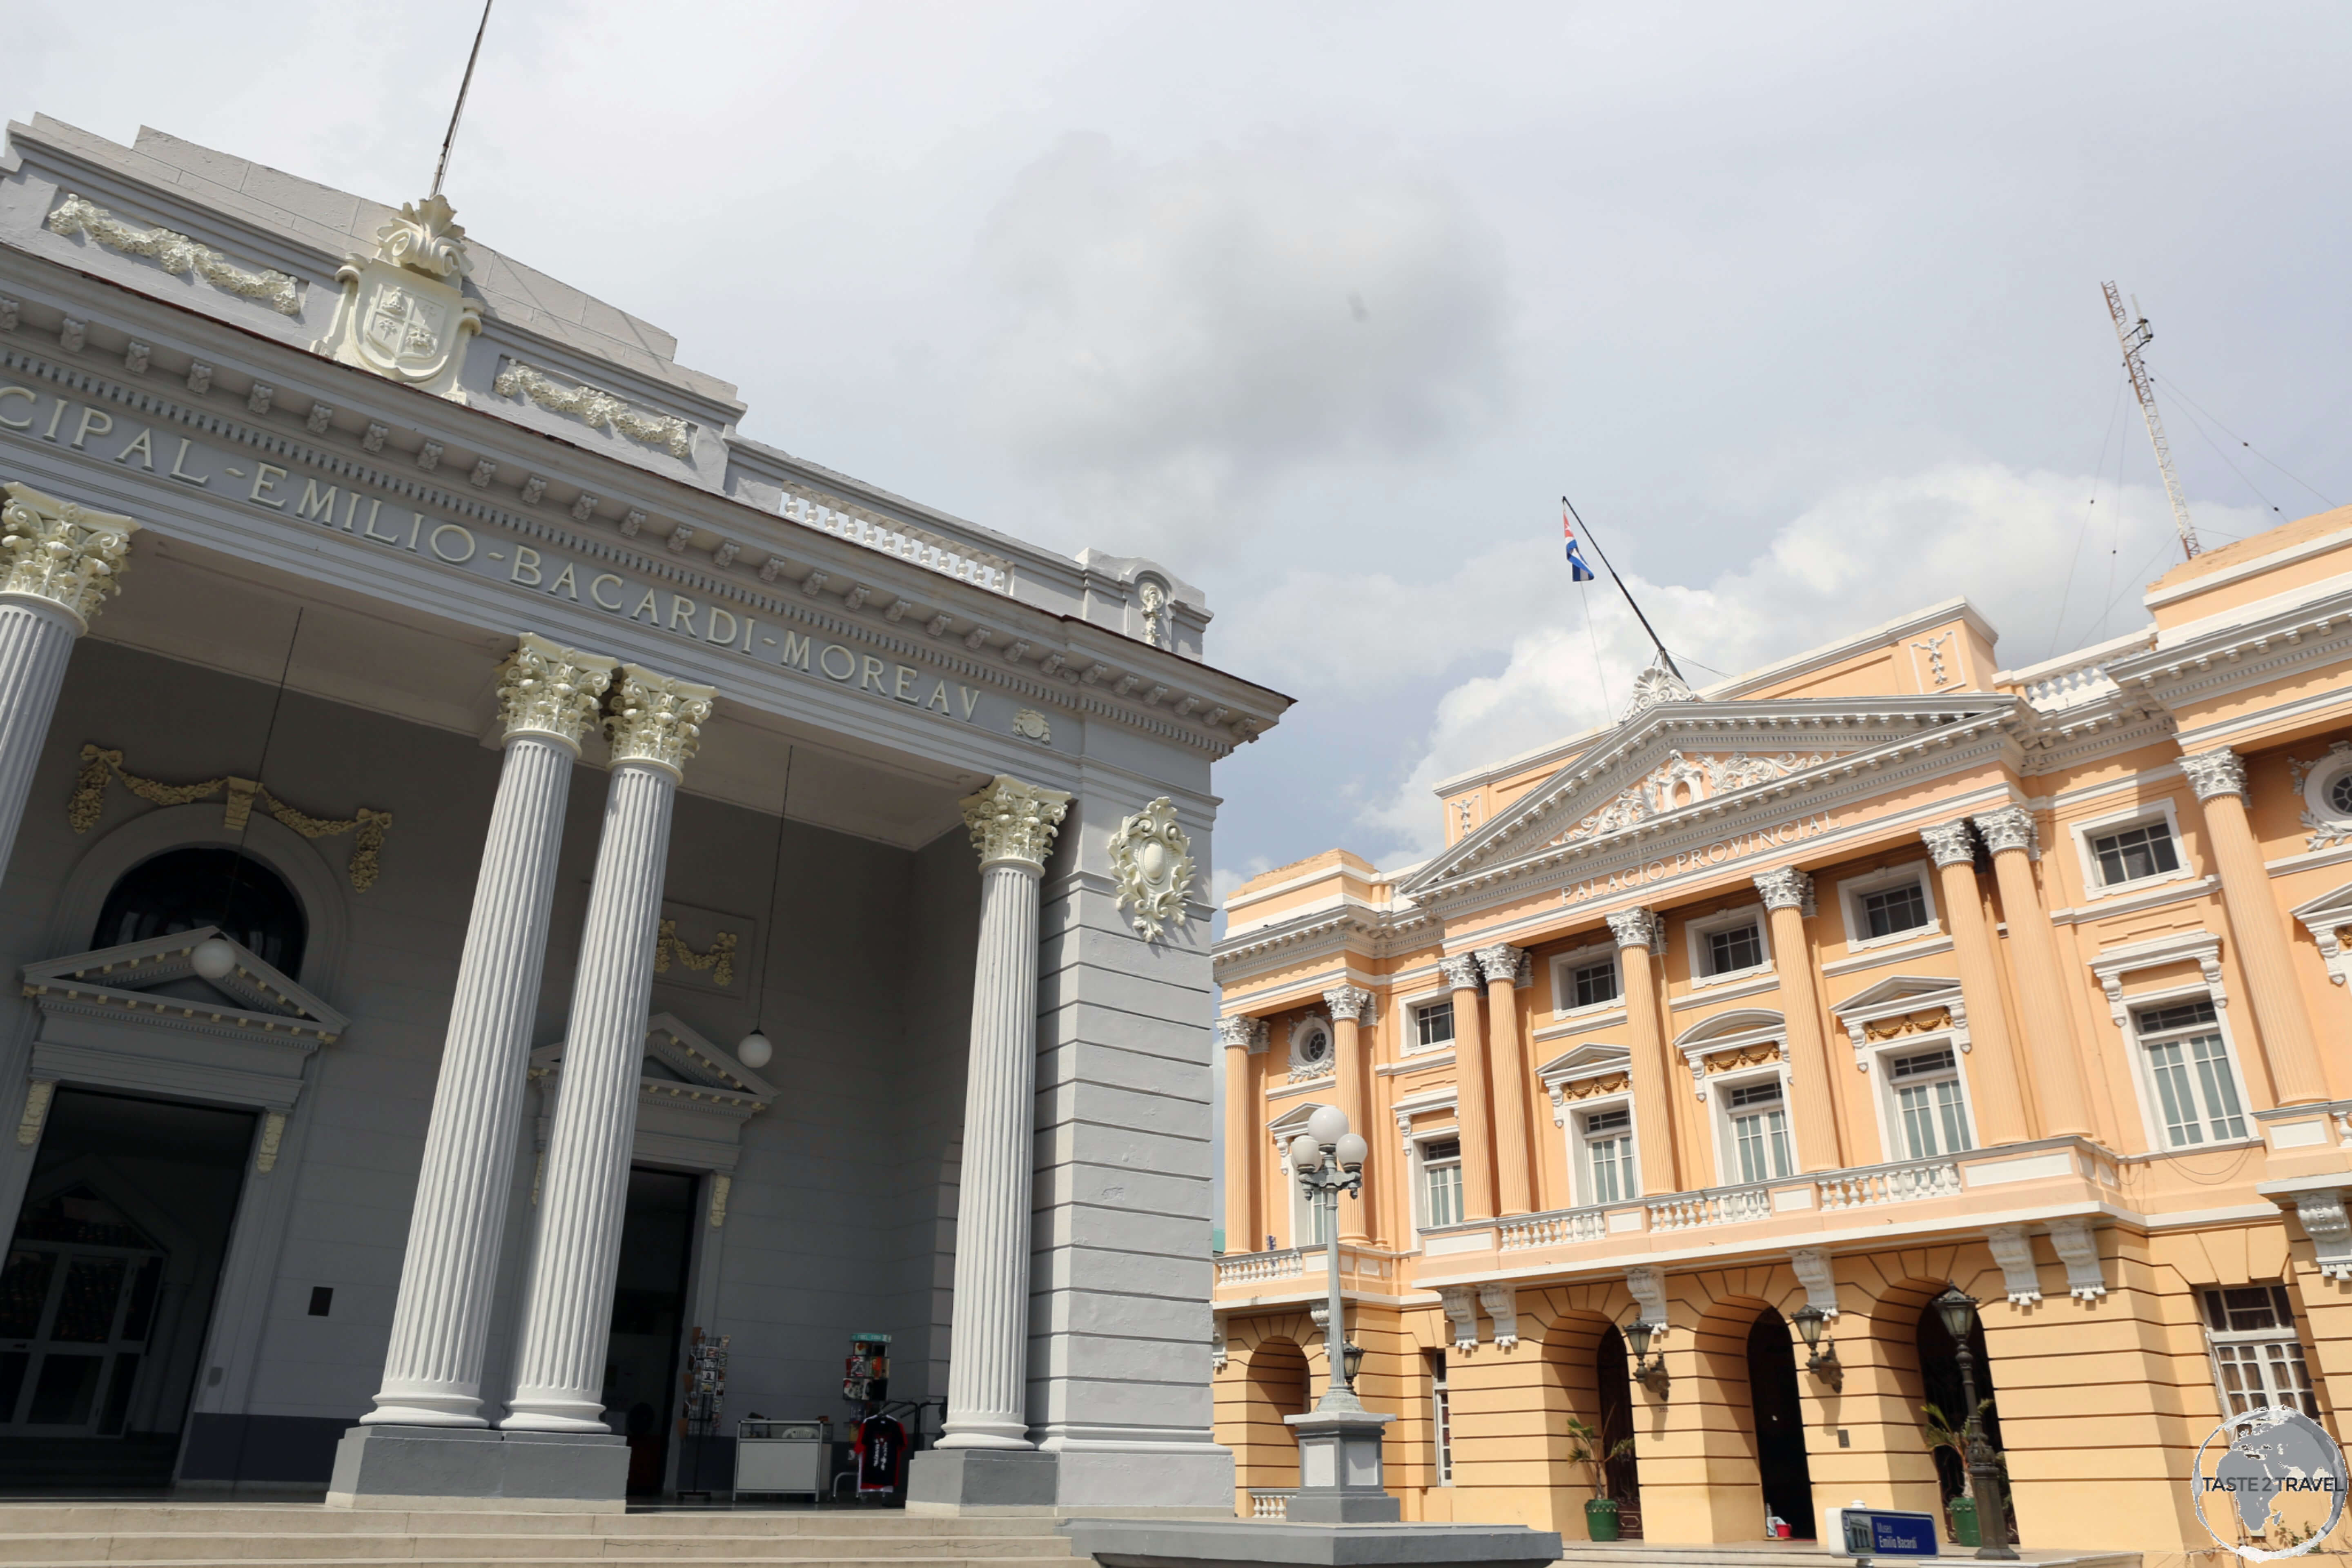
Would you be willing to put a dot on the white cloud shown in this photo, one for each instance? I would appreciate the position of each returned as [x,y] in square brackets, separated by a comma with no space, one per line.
[1173,334]
[2016,545]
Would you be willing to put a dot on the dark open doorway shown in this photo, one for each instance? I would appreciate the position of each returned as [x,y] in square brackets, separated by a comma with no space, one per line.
[1779,1423]
[649,1295]
[1616,1397]
[1939,1379]
[108,1289]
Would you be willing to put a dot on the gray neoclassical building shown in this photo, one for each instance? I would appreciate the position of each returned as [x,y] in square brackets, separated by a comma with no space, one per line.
[507,874]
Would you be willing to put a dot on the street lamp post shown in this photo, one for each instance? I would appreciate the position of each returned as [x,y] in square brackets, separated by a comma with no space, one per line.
[1339,1440]
[1958,1311]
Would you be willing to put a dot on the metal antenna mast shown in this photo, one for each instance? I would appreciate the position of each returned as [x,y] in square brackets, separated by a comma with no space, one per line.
[2135,336]
[450,141]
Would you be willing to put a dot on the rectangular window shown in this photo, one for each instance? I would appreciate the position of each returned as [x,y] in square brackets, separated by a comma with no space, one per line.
[1433,1025]
[1608,1156]
[1440,1181]
[1927,1100]
[2257,1357]
[1891,909]
[1736,948]
[2136,852]
[1441,1417]
[1593,984]
[1759,1131]
[1313,1228]
[2189,1065]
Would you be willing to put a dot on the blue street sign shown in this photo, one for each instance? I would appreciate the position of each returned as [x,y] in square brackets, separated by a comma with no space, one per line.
[1882,1532]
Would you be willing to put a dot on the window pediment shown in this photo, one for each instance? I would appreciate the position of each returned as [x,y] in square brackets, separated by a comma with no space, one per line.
[156,983]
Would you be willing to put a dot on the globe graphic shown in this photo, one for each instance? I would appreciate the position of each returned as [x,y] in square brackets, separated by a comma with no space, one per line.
[2269,1483]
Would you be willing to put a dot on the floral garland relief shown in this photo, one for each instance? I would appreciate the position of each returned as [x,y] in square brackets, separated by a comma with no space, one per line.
[99,765]
[719,960]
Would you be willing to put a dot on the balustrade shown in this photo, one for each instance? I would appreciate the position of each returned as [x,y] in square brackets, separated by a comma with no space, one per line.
[1249,1267]
[937,551]
[1891,1184]
[1558,1227]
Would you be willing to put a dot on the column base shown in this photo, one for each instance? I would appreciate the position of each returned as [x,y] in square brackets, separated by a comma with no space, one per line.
[983,1480]
[450,1468]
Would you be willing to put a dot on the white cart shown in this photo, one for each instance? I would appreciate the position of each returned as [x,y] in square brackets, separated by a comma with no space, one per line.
[783,1456]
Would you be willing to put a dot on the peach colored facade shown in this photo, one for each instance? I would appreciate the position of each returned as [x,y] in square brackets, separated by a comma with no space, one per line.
[1878,971]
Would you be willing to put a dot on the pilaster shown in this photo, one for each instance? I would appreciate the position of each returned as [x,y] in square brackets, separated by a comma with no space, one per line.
[2288,1044]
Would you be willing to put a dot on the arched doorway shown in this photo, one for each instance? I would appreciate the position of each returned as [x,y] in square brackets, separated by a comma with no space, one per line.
[1940,1387]
[1779,1423]
[1615,1390]
[1278,1387]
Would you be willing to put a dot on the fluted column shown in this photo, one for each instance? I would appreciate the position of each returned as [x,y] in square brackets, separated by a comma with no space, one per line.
[1470,1113]
[1012,826]
[548,696]
[2041,994]
[1244,1038]
[1507,1060]
[62,560]
[1788,900]
[1640,933]
[2219,777]
[1351,1006]
[656,725]
[1994,1093]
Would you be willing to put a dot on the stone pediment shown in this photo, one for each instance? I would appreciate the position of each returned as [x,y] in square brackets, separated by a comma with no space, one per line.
[2328,919]
[1676,761]
[680,1065]
[1903,1006]
[156,982]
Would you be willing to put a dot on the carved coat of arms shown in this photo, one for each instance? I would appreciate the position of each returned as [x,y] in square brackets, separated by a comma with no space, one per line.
[403,314]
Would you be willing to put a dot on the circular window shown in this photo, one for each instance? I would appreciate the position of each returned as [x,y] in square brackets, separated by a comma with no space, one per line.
[2339,792]
[182,890]
[1313,1044]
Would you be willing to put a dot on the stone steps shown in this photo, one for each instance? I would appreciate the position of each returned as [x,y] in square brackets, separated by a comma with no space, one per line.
[199,1535]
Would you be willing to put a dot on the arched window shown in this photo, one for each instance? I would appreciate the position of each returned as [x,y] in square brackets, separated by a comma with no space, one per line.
[180,889]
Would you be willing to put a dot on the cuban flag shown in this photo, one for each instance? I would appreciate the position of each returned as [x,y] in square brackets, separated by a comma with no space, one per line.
[1579,571]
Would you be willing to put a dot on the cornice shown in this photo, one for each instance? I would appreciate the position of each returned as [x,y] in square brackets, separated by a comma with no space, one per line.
[2229,659]
[1133,684]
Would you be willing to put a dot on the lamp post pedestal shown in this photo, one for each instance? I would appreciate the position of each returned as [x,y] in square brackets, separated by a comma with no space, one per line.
[1339,1468]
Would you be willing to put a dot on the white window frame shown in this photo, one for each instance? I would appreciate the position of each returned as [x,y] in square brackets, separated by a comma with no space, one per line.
[1408,1036]
[1893,1143]
[1441,1415]
[1302,1230]
[2291,1334]
[2151,1101]
[1697,929]
[1422,1138]
[1851,891]
[1727,1144]
[1564,966]
[1579,1165]
[2086,832]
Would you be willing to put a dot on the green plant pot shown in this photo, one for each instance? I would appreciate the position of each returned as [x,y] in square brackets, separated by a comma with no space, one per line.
[1963,1511]
[1601,1519]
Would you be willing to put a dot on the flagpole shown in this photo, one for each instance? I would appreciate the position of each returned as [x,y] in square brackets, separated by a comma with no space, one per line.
[1638,615]
[465,85]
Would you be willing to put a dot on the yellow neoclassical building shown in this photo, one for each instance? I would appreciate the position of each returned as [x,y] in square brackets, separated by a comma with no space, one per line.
[1876,972]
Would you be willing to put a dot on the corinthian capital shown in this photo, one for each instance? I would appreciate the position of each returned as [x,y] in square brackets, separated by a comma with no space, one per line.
[1243,1033]
[2011,828]
[1947,843]
[2217,772]
[62,553]
[1349,1002]
[657,719]
[1013,822]
[1500,961]
[1786,889]
[1636,927]
[1461,972]
[545,688]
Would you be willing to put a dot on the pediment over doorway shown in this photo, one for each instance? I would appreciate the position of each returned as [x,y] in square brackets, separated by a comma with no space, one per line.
[693,1097]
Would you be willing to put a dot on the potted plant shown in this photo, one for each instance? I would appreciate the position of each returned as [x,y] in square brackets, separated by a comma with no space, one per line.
[1586,1448]
[1941,1434]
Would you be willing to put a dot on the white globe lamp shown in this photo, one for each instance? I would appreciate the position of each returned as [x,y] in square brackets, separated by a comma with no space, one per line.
[212,958]
[754,1051]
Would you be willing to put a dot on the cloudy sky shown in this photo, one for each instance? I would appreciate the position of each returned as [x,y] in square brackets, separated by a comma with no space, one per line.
[1324,305]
